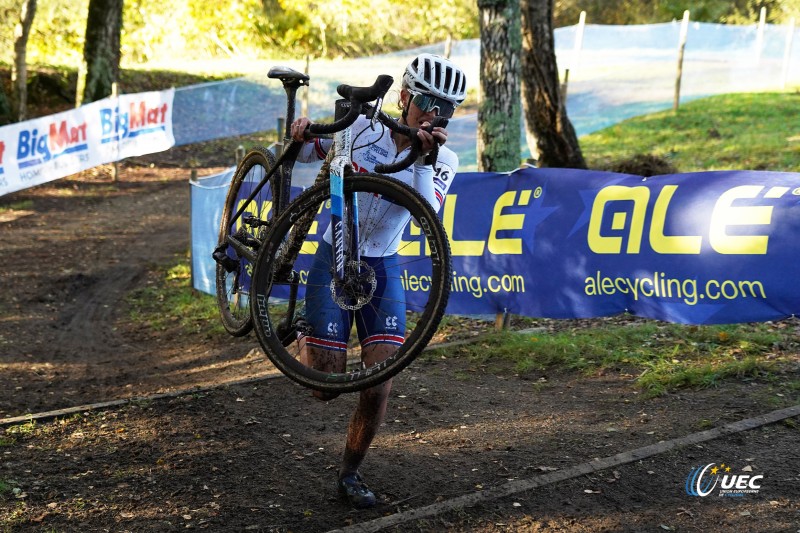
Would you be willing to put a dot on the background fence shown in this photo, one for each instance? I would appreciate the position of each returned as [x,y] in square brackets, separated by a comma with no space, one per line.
[615,72]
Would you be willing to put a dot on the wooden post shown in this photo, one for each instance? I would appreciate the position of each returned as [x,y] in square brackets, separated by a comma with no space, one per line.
[192,180]
[787,54]
[498,321]
[114,95]
[564,86]
[762,22]
[81,83]
[681,48]
[576,54]
[448,45]
[239,154]
[579,38]
[502,320]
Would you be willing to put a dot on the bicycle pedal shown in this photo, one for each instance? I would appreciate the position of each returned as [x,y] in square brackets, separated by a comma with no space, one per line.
[227,262]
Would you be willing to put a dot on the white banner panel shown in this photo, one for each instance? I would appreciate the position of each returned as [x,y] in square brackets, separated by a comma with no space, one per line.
[48,148]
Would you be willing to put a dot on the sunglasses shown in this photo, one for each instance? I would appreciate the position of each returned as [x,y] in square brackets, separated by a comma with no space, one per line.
[428,103]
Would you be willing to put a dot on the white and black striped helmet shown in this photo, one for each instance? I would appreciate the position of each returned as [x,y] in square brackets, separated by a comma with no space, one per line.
[435,75]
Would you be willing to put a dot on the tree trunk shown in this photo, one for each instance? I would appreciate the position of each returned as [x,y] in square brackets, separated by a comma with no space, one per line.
[499,110]
[556,144]
[19,74]
[101,49]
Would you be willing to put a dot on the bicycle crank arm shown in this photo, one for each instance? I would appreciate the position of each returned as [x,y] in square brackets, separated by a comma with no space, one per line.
[241,248]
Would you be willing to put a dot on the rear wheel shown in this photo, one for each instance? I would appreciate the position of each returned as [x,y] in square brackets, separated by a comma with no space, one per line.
[242,228]
[288,267]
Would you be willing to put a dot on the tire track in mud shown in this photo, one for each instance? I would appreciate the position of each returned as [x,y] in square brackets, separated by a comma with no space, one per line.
[132,242]
[91,254]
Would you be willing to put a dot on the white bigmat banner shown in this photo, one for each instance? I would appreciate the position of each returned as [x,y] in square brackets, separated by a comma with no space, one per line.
[48,148]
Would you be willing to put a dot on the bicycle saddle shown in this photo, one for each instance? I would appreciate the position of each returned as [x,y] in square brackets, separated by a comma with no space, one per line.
[287,74]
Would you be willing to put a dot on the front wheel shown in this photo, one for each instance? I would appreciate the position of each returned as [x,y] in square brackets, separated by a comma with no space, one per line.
[242,226]
[391,298]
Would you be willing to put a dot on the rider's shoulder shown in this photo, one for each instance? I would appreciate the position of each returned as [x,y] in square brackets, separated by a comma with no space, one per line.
[447,157]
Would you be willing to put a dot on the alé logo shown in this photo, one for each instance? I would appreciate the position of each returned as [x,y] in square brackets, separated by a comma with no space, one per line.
[2,152]
[62,137]
[703,480]
[139,118]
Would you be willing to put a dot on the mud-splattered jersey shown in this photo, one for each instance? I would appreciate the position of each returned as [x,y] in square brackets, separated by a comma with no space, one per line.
[381,223]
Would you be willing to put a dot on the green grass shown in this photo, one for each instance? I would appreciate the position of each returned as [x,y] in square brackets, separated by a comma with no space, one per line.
[168,301]
[22,205]
[661,356]
[22,429]
[748,131]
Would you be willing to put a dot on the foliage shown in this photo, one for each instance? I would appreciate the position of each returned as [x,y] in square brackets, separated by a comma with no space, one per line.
[57,32]
[756,131]
[244,28]
[663,356]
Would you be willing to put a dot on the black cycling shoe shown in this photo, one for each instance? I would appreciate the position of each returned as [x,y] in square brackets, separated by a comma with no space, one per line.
[355,491]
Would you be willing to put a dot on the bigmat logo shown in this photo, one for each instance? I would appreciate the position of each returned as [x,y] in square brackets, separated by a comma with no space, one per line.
[36,147]
[139,119]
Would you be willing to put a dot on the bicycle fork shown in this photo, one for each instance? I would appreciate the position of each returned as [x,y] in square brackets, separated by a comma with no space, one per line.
[344,236]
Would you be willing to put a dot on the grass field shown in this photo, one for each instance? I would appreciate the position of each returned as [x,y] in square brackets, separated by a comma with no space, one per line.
[748,131]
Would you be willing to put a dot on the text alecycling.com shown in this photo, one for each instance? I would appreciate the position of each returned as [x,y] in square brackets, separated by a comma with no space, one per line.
[477,286]
[660,286]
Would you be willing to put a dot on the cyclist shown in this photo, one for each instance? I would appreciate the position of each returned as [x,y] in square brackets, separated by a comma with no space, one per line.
[431,86]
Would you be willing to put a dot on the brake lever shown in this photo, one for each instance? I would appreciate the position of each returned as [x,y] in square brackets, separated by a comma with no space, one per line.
[376,109]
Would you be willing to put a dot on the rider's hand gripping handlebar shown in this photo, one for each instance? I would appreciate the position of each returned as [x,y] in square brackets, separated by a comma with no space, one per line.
[357,96]
[416,144]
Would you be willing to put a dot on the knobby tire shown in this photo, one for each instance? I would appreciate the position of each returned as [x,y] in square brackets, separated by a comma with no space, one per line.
[231,286]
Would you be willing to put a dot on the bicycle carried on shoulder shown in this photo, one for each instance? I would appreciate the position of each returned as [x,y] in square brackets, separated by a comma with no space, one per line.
[268,243]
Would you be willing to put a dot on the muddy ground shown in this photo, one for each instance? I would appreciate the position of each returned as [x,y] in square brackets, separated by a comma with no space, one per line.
[249,452]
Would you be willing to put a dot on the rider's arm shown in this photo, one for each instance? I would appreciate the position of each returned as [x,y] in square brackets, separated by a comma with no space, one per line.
[314,149]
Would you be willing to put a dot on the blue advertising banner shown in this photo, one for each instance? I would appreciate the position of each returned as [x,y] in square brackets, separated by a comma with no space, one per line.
[698,248]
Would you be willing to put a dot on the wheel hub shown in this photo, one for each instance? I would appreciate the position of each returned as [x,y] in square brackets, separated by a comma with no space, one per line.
[356,289]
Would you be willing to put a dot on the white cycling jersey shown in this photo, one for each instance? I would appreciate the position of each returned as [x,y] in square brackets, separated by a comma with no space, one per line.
[381,223]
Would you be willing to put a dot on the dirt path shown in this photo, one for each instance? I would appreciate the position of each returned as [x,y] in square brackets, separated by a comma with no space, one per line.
[261,456]
[66,338]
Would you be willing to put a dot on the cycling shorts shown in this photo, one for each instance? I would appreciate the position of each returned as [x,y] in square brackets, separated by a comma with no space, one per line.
[382,320]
